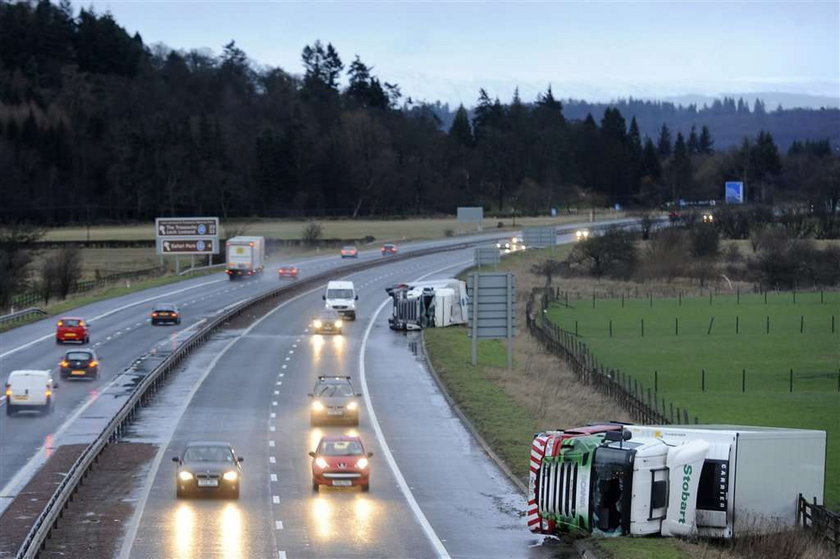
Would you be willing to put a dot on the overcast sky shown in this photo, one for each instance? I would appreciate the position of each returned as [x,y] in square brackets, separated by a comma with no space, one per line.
[593,50]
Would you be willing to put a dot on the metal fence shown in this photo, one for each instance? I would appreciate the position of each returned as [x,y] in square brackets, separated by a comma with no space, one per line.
[824,523]
[644,404]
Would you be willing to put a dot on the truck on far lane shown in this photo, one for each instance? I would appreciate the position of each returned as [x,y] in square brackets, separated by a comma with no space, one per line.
[245,256]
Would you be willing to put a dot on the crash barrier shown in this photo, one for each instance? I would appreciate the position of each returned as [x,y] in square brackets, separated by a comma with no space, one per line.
[21,315]
[824,523]
[35,540]
[643,404]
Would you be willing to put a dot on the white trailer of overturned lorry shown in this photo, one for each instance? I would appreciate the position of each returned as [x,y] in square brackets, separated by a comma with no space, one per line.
[428,303]
[715,480]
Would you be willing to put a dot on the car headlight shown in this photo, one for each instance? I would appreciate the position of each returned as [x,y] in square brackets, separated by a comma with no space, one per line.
[231,476]
[352,405]
[317,406]
[321,463]
[316,323]
[362,463]
[338,323]
[183,475]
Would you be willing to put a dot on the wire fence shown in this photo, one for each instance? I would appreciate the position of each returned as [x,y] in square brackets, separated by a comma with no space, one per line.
[30,298]
[643,403]
[824,522]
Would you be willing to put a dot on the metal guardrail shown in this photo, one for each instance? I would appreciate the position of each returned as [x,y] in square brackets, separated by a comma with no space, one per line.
[146,389]
[20,315]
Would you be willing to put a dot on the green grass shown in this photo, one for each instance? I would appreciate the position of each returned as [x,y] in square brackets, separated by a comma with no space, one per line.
[503,423]
[814,356]
[640,548]
[381,230]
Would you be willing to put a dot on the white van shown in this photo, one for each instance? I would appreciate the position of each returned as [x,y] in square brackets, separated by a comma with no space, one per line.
[341,297]
[29,390]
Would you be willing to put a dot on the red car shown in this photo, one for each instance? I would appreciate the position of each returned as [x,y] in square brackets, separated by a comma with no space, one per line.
[388,248]
[287,272]
[349,252]
[340,462]
[71,329]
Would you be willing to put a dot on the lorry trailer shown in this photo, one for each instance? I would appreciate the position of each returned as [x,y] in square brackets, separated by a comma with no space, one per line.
[713,480]
[245,256]
[429,303]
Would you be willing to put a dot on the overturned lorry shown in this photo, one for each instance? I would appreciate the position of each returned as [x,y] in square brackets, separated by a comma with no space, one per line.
[715,480]
[427,304]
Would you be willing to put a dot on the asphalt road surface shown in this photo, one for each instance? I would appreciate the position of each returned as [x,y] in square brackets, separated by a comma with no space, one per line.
[433,491]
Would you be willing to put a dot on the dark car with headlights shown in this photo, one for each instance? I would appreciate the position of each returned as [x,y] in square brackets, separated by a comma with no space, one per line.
[208,468]
[328,321]
[79,363]
[166,313]
[334,401]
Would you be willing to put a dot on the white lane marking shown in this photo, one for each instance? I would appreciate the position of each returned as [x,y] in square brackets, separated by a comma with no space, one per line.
[277,392]
[437,544]
[271,444]
[281,555]
[281,374]
[278,383]
[273,477]
[134,525]
[272,460]
[278,524]
[273,403]
[273,415]
[294,345]
[275,499]
[288,358]
[113,311]
[284,366]
[271,428]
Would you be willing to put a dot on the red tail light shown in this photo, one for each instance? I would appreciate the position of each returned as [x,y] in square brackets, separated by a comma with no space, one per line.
[61,323]
[64,364]
[154,315]
[93,364]
[81,323]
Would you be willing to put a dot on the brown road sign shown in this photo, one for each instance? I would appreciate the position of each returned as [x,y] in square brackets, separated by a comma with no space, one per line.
[188,246]
[187,227]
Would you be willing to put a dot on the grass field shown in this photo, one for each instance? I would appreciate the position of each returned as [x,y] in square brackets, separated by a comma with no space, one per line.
[381,230]
[678,344]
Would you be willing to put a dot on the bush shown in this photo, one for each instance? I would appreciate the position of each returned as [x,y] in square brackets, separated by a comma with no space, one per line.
[612,254]
[312,232]
[666,254]
[448,233]
[705,241]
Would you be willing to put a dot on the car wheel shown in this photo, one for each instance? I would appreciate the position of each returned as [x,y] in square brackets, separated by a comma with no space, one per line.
[315,486]
[179,493]
[365,487]
[58,341]
[48,408]
[313,422]
[352,316]
[87,339]
[9,409]
[234,493]
[178,321]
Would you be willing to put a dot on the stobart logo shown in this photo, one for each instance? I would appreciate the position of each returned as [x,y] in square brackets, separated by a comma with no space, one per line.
[685,494]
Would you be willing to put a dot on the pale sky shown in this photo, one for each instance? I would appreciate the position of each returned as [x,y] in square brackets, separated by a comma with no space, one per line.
[596,50]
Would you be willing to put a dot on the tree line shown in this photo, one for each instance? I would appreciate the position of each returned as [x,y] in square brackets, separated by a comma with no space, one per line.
[96,126]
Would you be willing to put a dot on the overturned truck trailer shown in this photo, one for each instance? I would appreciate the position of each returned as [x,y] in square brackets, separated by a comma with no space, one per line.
[428,304]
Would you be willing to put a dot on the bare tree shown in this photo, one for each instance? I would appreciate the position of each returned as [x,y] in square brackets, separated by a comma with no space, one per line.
[68,269]
[15,256]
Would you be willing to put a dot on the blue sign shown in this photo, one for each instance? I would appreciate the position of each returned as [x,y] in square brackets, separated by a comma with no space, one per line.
[734,192]
[202,229]
[199,245]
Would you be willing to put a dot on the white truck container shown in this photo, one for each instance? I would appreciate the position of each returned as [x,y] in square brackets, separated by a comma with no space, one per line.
[429,303]
[341,297]
[713,480]
[245,256]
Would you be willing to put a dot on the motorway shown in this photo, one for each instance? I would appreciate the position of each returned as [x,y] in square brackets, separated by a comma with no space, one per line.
[120,333]
[433,490]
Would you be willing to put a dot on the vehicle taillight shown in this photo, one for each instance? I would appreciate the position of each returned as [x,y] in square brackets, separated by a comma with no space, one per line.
[64,364]
[61,323]
[48,393]
[173,314]
[93,364]
[154,315]
[81,323]
[8,390]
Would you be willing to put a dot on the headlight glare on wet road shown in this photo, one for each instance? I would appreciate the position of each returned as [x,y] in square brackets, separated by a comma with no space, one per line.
[231,476]
[338,324]
[185,476]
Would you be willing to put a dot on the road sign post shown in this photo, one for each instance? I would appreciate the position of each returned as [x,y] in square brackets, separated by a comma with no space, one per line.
[492,310]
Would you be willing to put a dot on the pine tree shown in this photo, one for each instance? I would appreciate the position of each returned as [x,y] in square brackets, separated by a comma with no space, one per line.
[707,145]
[663,145]
[460,131]
[650,161]
[693,142]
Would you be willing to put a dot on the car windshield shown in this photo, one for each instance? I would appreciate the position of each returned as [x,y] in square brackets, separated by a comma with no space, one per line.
[70,322]
[166,308]
[350,249]
[78,356]
[340,448]
[334,390]
[339,293]
[208,454]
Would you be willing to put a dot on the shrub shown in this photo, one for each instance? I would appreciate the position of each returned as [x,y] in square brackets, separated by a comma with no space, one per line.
[612,254]
[705,241]
[312,232]
[666,254]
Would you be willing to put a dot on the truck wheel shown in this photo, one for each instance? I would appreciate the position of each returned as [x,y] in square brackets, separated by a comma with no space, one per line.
[352,316]
[365,487]
[315,486]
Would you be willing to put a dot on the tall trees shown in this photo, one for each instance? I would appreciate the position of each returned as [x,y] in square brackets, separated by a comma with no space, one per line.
[663,144]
